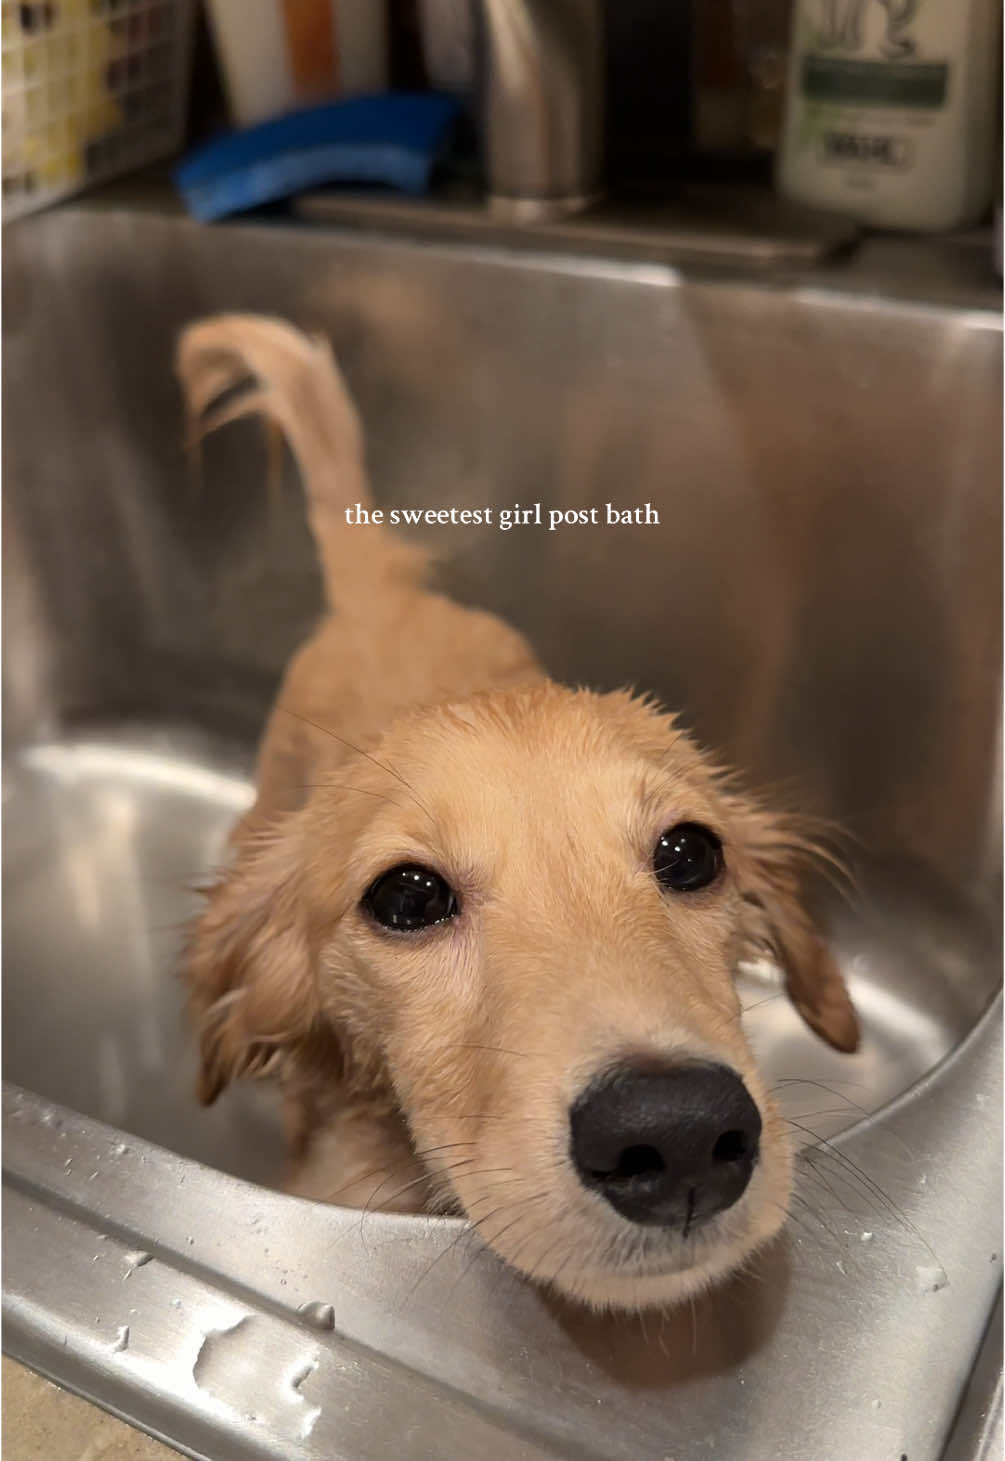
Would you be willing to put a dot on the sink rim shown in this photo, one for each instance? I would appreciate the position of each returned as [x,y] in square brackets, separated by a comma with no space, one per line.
[29,1329]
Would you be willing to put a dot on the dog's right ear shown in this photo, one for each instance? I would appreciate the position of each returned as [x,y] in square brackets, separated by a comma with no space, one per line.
[250,968]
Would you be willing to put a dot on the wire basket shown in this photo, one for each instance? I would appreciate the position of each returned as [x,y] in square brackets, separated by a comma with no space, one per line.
[91,88]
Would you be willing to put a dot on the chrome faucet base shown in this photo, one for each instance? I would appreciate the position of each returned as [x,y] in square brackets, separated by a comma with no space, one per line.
[542,106]
[540,210]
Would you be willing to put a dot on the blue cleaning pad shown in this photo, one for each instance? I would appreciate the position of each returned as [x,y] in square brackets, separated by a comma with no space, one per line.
[394,139]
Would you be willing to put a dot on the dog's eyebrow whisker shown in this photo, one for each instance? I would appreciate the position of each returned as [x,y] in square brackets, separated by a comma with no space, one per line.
[343,786]
[374,760]
[495,1049]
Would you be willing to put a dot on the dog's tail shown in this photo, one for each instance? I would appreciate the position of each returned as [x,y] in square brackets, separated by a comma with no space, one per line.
[293,382]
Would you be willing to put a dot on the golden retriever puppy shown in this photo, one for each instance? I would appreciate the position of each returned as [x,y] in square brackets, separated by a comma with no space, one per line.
[483,929]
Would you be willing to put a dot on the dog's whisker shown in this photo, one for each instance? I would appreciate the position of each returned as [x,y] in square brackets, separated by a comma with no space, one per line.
[791,1216]
[406,1161]
[515,1261]
[539,1269]
[858,1180]
[828,1086]
[424,1177]
[812,1211]
[488,1244]
[466,1234]
[369,1210]
[469,1231]
[822,1111]
[494,1239]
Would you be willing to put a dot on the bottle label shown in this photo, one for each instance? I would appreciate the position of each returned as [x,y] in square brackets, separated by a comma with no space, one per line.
[875,83]
[873,80]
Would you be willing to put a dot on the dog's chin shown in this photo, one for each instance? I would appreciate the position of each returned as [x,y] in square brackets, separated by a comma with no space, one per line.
[648,1284]
[621,1267]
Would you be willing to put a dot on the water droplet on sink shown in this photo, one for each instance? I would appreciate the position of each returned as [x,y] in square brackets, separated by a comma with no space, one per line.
[930,1280]
[121,1339]
[134,1261]
[299,1376]
[318,1314]
[866,1237]
[213,1355]
[230,1355]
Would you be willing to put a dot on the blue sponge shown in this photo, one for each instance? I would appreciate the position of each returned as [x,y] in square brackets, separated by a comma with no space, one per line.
[394,139]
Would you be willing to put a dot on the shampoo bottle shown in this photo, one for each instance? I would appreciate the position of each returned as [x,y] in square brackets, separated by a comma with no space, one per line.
[892,113]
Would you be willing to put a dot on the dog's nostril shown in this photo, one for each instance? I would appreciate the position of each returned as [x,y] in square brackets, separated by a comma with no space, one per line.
[634,1161]
[732,1146]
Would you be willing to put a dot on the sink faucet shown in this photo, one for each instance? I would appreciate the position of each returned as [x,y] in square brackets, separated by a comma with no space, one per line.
[542,105]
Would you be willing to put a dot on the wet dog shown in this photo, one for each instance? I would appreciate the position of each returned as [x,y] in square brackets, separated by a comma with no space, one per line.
[483,929]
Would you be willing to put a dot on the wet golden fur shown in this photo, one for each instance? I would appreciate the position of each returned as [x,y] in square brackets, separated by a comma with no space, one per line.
[436,1070]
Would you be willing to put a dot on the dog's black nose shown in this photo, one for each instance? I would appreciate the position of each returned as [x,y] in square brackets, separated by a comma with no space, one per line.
[668,1144]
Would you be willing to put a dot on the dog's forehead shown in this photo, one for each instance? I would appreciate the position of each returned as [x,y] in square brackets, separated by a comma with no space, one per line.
[528,765]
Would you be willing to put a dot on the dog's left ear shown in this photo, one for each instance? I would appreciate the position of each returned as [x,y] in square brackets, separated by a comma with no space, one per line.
[771,862]
[249,968]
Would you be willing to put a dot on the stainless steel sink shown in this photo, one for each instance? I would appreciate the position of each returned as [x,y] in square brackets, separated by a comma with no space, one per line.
[821,600]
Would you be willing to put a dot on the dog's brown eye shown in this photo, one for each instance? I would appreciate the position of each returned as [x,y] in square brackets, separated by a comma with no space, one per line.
[687,857]
[410,897]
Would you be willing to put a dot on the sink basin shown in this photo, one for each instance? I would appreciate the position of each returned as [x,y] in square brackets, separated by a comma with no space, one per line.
[820,600]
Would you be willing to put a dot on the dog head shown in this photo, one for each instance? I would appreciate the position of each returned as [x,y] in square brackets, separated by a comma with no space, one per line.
[520,919]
